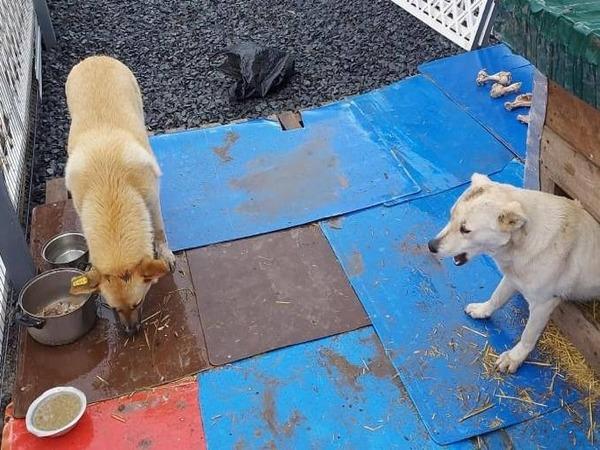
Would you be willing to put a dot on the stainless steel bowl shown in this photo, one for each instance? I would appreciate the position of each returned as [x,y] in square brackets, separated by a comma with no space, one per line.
[55,328]
[66,250]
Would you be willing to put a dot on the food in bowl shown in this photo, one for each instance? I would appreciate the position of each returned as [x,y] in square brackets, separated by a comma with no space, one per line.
[57,411]
[59,308]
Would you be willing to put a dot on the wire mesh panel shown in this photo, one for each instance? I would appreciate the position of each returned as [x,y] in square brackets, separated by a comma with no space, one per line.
[16,60]
[18,30]
[465,22]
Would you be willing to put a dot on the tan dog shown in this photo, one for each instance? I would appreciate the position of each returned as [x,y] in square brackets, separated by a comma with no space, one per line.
[112,175]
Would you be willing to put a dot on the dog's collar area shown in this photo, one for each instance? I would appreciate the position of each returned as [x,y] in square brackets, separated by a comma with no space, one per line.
[460,259]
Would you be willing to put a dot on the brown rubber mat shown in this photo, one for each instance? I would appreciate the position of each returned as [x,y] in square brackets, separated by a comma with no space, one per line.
[104,363]
[271,291]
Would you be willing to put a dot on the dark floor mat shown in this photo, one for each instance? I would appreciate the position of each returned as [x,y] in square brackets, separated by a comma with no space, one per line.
[271,291]
[104,363]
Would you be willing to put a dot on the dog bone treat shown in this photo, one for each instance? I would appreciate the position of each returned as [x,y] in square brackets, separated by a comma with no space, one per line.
[522,101]
[503,78]
[499,90]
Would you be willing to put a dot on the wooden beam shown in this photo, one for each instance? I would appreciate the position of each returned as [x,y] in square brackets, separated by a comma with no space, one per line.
[571,171]
[583,333]
[290,120]
[574,121]
[56,191]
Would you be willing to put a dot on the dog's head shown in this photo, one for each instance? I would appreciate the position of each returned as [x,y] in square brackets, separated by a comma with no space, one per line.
[123,292]
[482,220]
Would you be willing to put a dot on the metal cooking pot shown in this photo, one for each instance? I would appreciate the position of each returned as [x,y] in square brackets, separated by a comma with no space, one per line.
[66,250]
[45,289]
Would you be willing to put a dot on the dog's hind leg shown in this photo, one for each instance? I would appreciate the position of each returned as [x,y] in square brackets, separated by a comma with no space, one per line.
[539,314]
[504,291]
[160,237]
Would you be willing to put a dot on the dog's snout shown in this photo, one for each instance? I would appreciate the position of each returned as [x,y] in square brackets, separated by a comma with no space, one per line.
[434,245]
[131,329]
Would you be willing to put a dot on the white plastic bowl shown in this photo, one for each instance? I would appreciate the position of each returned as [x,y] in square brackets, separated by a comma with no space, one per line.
[60,431]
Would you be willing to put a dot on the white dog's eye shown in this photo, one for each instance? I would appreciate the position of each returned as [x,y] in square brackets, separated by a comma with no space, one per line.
[464,230]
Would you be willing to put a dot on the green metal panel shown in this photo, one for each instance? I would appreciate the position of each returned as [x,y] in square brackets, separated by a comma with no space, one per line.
[561,37]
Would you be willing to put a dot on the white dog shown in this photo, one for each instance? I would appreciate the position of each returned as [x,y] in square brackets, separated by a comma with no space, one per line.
[548,249]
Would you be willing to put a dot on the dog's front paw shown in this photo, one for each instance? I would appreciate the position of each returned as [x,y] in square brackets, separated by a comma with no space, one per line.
[479,310]
[510,360]
[167,255]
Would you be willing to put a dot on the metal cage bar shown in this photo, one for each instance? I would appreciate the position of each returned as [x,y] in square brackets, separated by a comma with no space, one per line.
[19,49]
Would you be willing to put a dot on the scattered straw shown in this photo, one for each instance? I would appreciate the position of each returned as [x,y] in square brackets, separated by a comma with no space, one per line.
[488,358]
[475,331]
[147,340]
[570,360]
[590,432]
[520,399]
[538,363]
[102,380]
[434,352]
[477,411]
[151,316]
[590,310]
[119,418]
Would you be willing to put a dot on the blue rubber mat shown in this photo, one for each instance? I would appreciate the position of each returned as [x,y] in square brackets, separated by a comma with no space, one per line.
[240,180]
[416,305]
[432,137]
[338,392]
[456,77]
[564,428]
[341,393]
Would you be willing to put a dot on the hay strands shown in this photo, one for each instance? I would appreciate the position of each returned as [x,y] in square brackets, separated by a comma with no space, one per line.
[477,411]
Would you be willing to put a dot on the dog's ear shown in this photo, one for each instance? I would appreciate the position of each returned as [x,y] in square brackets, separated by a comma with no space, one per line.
[152,269]
[87,283]
[512,217]
[478,179]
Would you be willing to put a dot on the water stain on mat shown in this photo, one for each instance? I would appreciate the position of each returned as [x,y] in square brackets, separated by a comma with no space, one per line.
[223,151]
[270,415]
[349,372]
[302,178]
[357,265]
[379,366]
[336,222]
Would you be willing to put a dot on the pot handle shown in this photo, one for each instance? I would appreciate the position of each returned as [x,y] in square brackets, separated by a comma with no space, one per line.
[29,321]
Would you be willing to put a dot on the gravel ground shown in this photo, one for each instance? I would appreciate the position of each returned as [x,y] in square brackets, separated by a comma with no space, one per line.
[342,47]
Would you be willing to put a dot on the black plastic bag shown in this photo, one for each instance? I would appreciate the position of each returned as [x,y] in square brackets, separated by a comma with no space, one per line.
[258,70]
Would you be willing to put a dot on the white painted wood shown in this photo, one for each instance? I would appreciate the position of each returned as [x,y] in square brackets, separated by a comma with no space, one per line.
[467,23]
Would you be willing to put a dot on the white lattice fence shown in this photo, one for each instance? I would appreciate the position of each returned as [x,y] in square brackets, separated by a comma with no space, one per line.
[465,22]
[18,33]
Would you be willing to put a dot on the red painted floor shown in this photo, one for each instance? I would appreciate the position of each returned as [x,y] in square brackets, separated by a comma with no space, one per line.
[163,418]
